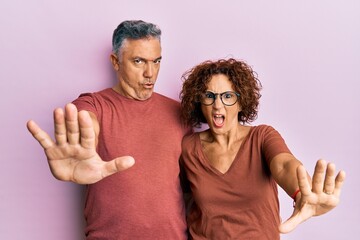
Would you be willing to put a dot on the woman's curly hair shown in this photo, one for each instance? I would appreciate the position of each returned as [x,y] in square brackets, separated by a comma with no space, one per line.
[242,77]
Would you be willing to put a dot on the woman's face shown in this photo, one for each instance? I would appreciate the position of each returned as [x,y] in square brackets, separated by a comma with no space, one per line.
[221,118]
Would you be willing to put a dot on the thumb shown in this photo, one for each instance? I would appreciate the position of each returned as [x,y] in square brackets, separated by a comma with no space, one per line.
[123,163]
[117,165]
[290,224]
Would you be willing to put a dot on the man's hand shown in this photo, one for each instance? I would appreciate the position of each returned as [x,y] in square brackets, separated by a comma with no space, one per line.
[318,199]
[72,156]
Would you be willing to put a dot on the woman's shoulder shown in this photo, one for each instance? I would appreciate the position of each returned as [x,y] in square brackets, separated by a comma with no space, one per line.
[262,128]
[263,131]
[190,138]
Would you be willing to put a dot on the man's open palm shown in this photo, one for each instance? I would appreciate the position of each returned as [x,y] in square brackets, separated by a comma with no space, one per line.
[72,156]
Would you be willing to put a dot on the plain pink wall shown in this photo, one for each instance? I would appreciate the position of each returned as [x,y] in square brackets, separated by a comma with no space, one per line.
[306,53]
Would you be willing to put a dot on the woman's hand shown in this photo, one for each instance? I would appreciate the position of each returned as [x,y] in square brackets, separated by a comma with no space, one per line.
[318,199]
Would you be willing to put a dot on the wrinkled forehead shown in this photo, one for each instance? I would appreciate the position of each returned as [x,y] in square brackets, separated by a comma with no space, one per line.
[147,48]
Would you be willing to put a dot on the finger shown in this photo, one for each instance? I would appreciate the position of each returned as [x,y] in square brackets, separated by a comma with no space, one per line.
[87,133]
[290,224]
[41,136]
[303,181]
[329,183]
[59,126]
[72,124]
[318,177]
[117,165]
[339,181]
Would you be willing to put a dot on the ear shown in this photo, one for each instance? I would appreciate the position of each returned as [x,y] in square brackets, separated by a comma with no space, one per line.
[114,61]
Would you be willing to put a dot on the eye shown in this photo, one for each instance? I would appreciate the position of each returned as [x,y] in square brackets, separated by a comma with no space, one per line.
[209,95]
[157,61]
[139,61]
[228,95]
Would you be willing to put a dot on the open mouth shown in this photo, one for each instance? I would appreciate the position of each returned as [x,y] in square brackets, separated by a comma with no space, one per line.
[218,120]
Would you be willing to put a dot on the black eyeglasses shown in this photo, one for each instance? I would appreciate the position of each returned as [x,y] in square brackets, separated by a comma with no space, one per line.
[228,98]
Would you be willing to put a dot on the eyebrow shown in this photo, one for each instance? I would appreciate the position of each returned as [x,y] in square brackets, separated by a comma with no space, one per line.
[221,92]
[146,60]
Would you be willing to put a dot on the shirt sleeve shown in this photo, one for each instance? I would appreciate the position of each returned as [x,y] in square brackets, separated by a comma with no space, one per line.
[273,143]
[87,102]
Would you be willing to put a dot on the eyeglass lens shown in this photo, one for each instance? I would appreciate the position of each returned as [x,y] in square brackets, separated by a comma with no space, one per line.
[227,98]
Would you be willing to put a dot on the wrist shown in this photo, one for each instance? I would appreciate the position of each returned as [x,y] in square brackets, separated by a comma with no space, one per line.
[295,196]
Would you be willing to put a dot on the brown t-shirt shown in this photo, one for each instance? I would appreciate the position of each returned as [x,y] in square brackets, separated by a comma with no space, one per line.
[144,201]
[241,203]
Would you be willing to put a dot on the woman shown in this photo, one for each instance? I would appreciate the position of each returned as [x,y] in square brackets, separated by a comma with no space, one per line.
[233,169]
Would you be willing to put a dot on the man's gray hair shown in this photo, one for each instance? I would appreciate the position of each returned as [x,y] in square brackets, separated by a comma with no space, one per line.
[133,29]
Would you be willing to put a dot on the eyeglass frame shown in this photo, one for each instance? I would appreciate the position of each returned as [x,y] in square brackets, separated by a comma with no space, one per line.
[220,94]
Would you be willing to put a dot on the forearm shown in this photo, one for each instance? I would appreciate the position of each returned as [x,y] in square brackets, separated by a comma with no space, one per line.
[283,169]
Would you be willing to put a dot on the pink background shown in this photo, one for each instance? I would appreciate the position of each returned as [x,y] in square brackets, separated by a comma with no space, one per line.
[306,53]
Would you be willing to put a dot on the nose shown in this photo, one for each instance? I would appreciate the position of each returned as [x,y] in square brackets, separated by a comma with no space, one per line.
[149,70]
[217,102]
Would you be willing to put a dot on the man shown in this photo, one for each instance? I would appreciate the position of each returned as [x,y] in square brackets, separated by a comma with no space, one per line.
[129,120]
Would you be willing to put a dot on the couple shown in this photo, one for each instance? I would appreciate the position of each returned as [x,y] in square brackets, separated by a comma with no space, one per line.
[125,143]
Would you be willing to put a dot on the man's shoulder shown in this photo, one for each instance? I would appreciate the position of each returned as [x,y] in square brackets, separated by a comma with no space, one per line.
[165,99]
[106,91]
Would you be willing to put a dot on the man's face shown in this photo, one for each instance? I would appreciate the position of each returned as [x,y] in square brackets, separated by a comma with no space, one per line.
[137,67]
